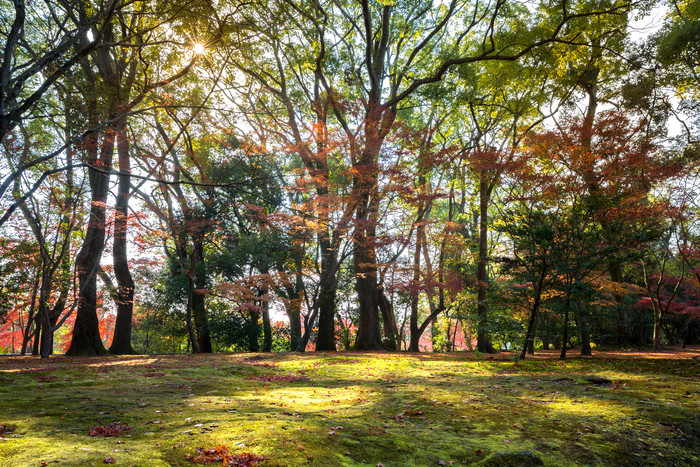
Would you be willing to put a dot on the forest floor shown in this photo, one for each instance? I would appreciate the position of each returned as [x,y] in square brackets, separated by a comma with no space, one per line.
[377,409]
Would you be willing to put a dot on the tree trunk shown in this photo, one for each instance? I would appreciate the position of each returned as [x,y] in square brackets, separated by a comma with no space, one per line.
[531,345]
[325,340]
[267,325]
[415,337]
[366,188]
[530,335]
[199,312]
[657,329]
[36,342]
[121,341]
[365,266]
[413,324]
[86,338]
[253,344]
[483,341]
[46,332]
[28,331]
[584,332]
[544,326]
[188,316]
[293,309]
[391,331]
[308,326]
[565,336]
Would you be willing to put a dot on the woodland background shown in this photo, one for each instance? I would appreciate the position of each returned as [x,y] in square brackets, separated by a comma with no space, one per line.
[200,176]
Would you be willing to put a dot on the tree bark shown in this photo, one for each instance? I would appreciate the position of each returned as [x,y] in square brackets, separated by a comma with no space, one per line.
[530,335]
[292,307]
[325,340]
[364,258]
[86,338]
[253,344]
[121,340]
[391,332]
[267,325]
[413,345]
[29,330]
[199,311]
[565,336]
[483,340]
[584,331]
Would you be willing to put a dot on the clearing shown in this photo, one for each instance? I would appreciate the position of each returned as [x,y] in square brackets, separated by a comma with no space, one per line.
[377,409]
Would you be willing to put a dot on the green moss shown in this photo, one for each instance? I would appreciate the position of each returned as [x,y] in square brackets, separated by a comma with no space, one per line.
[351,409]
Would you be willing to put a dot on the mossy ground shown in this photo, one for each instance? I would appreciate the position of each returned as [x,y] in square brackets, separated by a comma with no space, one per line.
[354,409]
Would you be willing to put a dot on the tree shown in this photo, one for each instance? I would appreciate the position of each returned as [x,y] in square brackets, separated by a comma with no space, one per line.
[389,50]
[678,51]
[113,74]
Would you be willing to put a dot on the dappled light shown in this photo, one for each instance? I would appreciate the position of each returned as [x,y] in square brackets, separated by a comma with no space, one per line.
[383,408]
[338,233]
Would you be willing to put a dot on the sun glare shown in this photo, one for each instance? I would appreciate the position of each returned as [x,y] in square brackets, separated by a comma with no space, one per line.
[198,49]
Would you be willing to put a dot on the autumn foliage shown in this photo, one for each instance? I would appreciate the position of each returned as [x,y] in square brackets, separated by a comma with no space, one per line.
[221,454]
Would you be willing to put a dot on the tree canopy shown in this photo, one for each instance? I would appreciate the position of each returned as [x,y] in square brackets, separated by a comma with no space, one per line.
[376,175]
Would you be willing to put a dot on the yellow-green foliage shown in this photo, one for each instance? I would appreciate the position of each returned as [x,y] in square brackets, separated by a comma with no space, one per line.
[351,409]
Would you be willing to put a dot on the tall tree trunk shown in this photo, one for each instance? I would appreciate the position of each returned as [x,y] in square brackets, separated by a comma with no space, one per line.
[295,297]
[188,315]
[377,122]
[253,343]
[565,335]
[29,330]
[530,335]
[293,309]
[657,329]
[86,338]
[391,332]
[365,261]
[544,326]
[199,311]
[413,345]
[36,342]
[325,340]
[121,341]
[483,341]
[267,325]
[584,330]
[44,296]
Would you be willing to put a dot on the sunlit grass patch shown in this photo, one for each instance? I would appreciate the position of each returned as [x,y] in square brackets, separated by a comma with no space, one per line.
[350,409]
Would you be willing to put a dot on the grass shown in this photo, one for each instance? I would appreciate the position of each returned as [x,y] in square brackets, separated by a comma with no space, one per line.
[353,409]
